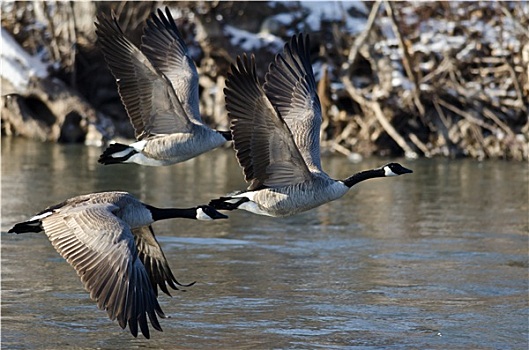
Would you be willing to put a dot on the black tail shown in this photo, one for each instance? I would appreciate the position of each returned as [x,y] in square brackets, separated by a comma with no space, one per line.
[109,157]
[226,134]
[27,226]
[223,204]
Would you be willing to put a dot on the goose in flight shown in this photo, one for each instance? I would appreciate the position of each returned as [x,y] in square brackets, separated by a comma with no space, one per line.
[158,86]
[108,239]
[276,130]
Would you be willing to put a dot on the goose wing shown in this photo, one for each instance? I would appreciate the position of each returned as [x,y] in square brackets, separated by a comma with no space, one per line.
[263,142]
[101,248]
[154,260]
[291,88]
[146,93]
[164,46]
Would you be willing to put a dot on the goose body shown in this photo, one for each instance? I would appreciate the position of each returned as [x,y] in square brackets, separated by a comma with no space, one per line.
[275,131]
[107,237]
[158,86]
[287,200]
[296,198]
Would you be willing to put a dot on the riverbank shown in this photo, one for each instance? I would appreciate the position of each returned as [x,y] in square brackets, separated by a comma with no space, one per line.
[395,79]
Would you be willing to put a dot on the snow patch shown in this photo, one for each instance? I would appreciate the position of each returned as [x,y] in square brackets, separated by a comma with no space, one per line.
[336,11]
[251,42]
[18,67]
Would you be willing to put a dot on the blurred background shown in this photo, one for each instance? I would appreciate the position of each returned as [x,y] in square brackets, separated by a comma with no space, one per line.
[395,78]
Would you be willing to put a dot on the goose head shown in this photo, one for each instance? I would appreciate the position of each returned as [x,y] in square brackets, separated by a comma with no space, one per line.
[395,169]
[390,169]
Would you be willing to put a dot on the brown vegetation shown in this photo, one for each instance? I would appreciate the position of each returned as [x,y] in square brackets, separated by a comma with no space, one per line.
[401,86]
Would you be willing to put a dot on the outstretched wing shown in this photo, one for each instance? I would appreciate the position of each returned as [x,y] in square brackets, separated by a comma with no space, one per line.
[262,141]
[154,260]
[105,258]
[164,45]
[291,88]
[146,93]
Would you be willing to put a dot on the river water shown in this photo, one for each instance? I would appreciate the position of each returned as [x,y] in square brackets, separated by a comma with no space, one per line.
[433,260]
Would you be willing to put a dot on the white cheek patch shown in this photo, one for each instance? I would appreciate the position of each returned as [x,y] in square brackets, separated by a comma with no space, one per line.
[202,216]
[389,172]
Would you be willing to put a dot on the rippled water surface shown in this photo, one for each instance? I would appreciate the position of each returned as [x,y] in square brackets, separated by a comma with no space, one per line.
[433,260]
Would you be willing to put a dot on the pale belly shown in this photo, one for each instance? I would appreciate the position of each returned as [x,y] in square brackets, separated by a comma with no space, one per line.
[173,149]
[281,202]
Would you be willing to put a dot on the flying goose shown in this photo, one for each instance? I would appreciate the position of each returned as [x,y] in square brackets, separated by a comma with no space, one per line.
[275,132]
[159,89]
[108,239]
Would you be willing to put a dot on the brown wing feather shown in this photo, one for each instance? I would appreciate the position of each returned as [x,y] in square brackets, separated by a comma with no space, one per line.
[154,260]
[163,44]
[263,143]
[147,94]
[291,88]
[106,260]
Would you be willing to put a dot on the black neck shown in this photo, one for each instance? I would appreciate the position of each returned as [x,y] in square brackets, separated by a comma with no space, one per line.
[170,213]
[226,134]
[363,175]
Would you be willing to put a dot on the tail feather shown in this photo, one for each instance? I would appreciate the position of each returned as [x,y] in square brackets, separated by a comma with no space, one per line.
[116,153]
[27,226]
[227,203]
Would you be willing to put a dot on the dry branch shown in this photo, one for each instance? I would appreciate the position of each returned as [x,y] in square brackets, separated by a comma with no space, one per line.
[455,82]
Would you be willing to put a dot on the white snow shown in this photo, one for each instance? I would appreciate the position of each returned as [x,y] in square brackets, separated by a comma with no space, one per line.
[250,41]
[17,65]
[284,18]
[335,11]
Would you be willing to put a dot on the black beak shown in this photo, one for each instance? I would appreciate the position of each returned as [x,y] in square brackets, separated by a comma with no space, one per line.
[406,171]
